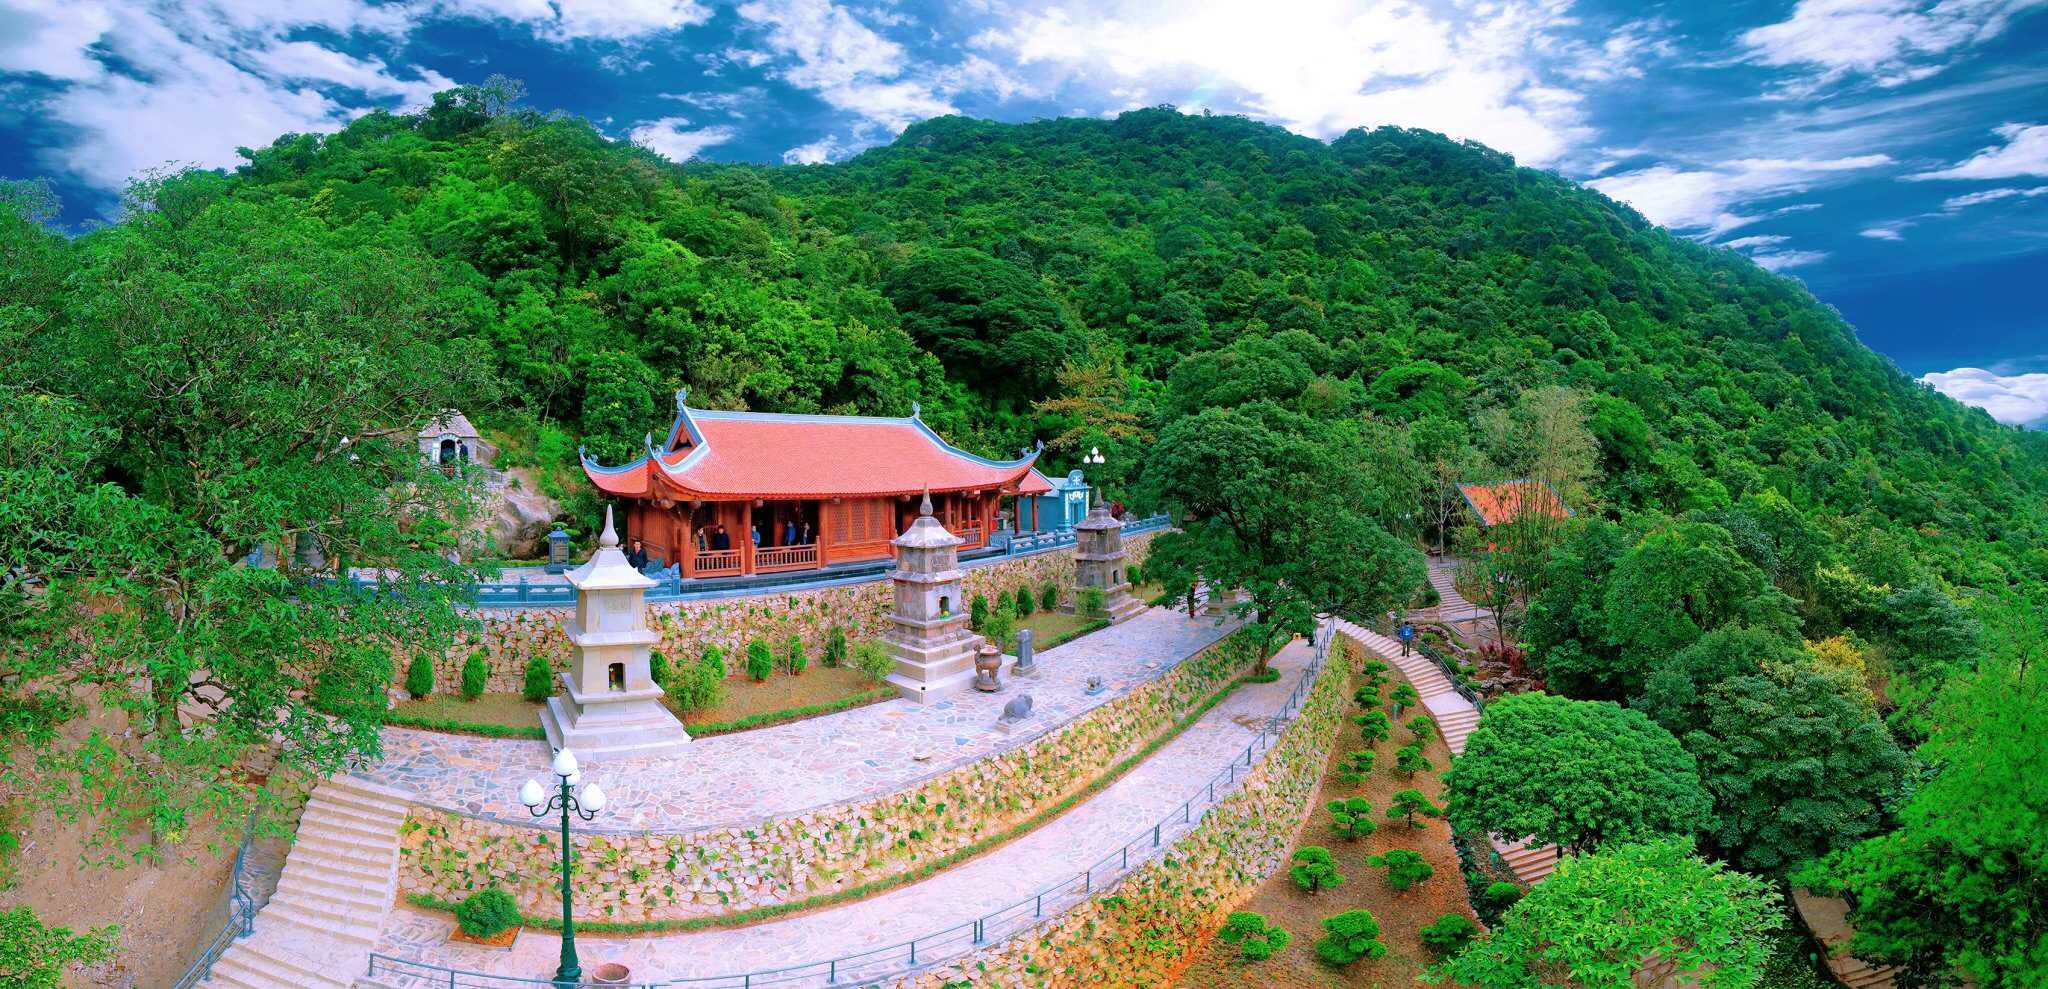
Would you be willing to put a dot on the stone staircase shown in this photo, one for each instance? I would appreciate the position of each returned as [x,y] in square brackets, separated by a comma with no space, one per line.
[1456,719]
[1451,605]
[339,881]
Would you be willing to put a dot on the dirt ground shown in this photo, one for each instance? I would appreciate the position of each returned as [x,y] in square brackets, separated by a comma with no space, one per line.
[1401,915]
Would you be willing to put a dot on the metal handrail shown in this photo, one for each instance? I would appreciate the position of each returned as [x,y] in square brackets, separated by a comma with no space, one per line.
[241,920]
[1443,663]
[869,968]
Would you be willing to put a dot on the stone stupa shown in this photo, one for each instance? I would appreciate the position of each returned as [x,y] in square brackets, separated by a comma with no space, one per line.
[1099,562]
[610,704]
[928,634]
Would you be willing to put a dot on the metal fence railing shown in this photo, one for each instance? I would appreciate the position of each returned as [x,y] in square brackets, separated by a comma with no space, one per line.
[241,919]
[871,968]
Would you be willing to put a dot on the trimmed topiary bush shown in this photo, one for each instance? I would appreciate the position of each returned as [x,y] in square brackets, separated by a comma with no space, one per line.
[1350,936]
[476,675]
[835,647]
[1135,573]
[760,661]
[658,669]
[1351,819]
[540,679]
[697,687]
[1449,933]
[1409,805]
[1001,628]
[1403,698]
[1088,601]
[1025,606]
[977,612]
[1422,726]
[873,659]
[1501,894]
[1405,867]
[487,913]
[1409,760]
[1356,767]
[1256,940]
[795,659]
[1049,597]
[1314,870]
[1374,725]
[714,658]
[419,677]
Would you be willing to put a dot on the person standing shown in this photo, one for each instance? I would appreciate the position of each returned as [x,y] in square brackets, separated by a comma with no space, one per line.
[637,556]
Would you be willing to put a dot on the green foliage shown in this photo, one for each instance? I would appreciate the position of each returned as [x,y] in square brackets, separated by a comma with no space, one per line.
[35,956]
[795,658]
[1024,604]
[1601,918]
[760,661]
[1409,760]
[1135,573]
[1314,870]
[977,612]
[658,668]
[1049,597]
[1001,628]
[714,658]
[1574,773]
[699,686]
[419,676]
[1356,767]
[873,659]
[1350,936]
[1351,819]
[1448,934]
[1405,867]
[1255,939]
[1501,894]
[835,648]
[539,680]
[1422,726]
[1411,805]
[1403,698]
[476,675]
[1088,601]
[1374,726]
[487,912]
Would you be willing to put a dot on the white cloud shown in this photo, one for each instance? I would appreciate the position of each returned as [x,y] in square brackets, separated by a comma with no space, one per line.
[817,152]
[1708,199]
[50,39]
[306,61]
[672,138]
[579,20]
[1969,199]
[822,47]
[1891,42]
[733,102]
[1752,243]
[2024,154]
[1497,72]
[2017,399]
[1781,260]
[1889,230]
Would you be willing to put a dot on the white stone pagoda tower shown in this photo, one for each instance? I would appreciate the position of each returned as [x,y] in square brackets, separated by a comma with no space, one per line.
[928,631]
[1099,562]
[609,704]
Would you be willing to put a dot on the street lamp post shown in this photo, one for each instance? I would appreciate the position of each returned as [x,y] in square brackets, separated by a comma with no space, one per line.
[1095,458]
[565,801]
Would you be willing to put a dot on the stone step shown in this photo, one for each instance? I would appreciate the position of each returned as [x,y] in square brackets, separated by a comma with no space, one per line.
[341,847]
[375,793]
[326,923]
[270,963]
[350,901]
[322,820]
[305,861]
[347,805]
[334,883]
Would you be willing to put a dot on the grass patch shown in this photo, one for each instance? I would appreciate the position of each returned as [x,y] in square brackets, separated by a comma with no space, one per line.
[871,888]
[782,699]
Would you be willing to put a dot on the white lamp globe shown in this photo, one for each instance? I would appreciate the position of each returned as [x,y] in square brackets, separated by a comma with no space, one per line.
[575,777]
[593,798]
[531,794]
[565,763]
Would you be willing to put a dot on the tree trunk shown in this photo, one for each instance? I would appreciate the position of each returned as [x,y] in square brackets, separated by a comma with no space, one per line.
[168,728]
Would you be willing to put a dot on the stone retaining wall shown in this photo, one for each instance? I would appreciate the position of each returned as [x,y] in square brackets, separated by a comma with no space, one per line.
[658,876]
[1141,932]
[510,636]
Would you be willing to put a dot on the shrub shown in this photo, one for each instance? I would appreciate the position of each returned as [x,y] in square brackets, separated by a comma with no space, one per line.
[487,912]
[1403,698]
[419,677]
[476,675]
[698,687]
[1422,726]
[658,668]
[1404,867]
[835,647]
[1366,696]
[1356,766]
[1088,601]
[1501,894]
[795,659]
[540,680]
[1314,870]
[1349,936]
[977,612]
[1374,725]
[1049,597]
[714,658]
[1411,804]
[1024,603]
[871,658]
[1409,760]
[760,661]
[1449,933]
[1001,627]
[1351,819]
[1255,940]
[1135,573]
[35,955]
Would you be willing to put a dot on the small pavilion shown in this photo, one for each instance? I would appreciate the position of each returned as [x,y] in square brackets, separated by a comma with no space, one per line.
[1502,502]
[731,493]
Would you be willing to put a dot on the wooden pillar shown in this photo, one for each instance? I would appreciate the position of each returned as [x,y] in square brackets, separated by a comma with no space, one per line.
[824,512]
[746,536]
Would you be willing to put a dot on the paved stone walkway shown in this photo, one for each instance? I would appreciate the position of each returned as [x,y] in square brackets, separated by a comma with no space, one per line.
[1093,832]
[746,777]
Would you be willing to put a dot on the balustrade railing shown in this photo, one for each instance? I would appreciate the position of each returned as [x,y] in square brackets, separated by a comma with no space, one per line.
[718,563]
[769,559]
[877,966]
[241,919]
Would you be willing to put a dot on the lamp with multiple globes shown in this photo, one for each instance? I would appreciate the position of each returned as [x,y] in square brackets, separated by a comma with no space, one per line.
[565,801]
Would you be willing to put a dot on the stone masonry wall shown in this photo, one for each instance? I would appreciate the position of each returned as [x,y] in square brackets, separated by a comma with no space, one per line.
[1141,932]
[655,876]
[511,635]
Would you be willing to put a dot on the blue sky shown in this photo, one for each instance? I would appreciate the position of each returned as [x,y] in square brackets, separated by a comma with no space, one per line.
[1891,153]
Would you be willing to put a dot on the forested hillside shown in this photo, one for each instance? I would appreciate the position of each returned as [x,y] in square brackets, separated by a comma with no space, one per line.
[1348,326]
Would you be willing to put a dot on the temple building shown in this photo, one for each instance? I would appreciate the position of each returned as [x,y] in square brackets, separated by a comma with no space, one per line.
[1503,502]
[731,493]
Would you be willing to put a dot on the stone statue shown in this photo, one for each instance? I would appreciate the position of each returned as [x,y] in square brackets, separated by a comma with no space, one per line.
[1025,665]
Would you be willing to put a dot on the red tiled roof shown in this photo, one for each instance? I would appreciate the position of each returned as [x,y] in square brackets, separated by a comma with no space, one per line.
[728,455]
[1034,483]
[1507,501]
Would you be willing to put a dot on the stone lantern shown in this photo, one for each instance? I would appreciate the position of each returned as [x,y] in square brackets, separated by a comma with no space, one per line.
[928,633]
[609,702]
[1099,563]
[558,547]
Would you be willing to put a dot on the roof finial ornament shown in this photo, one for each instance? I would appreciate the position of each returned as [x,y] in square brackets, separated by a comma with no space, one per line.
[924,506]
[681,394]
[609,539]
[915,410]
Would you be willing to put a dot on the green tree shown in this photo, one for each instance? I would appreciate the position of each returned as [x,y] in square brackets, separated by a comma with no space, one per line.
[1411,805]
[1580,774]
[1350,936]
[1405,867]
[1001,628]
[835,647]
[1256,940]
[1403,698]
[1374,726]
[1351,819]
[977,612]
[419,677]
[539,680]
[476,675]
[795,658]
[34,956]
[1356,767]
[1409,760]
[1314,870]
[760,661]
[1449,934]
[1025,606]
[1678,582]
[1602,918]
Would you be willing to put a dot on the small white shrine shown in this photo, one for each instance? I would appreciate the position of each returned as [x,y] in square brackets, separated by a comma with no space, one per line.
[609,702]
[928,633]
[1099,562]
